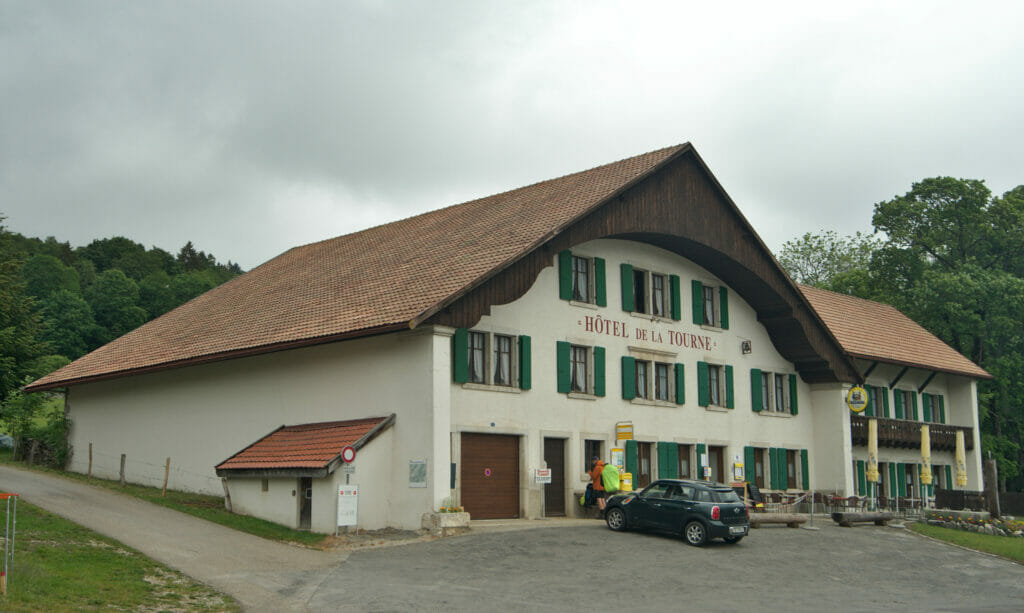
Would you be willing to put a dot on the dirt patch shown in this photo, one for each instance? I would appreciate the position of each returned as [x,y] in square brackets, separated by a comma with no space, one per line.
[386,537]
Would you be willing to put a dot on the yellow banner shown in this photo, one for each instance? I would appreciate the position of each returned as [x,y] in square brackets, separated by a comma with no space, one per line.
[872,468]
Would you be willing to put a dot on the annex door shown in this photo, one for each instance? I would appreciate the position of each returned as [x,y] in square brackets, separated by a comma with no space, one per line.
[305,502]
[643,479]
[490,475]
[554,492]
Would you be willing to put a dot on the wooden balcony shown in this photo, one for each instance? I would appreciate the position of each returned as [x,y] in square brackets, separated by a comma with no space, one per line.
[904,434]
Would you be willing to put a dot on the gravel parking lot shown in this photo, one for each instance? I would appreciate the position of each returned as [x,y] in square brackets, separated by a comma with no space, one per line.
[579,566]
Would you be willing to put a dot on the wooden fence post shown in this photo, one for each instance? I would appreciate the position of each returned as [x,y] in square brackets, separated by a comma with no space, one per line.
[89,474]
[167,471]
[122,469]
[227,494]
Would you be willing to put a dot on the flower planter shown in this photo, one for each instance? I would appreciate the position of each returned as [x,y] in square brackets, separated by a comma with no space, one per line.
[446,524]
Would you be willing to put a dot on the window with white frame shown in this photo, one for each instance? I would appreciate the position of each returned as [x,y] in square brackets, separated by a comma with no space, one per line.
[653,380]
[643,379]
[582,279]
[492,359]
[775,392]
[716,383]
[579,374]
[650,293]
[710,306]
[662,382]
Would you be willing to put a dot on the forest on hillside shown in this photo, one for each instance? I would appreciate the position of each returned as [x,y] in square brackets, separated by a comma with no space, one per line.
[59,302]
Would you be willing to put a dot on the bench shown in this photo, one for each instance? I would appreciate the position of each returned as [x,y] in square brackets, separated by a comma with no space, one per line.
[792,520]
[846,519]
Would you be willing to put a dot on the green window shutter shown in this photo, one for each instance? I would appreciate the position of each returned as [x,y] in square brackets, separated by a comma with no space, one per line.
[897,399]
[935,475]
[698,302]
[805,470]
[748,464]
[627,287]
[862,482]
[628,378]
[730,396]
[565,275]
[460,355]
[794,404]
[949,477]
[672,460]
[869,410]
[755,390]
[525,363]
[892,478]
[723,306]
[926,406]
[680,384]
[942,411]
[901,479]
[885,401]
[660,450]
[676,296]
[913,404]
[562,362]
[599,371]
[600,287]
[773,457]
[631,458]
[783,469]
[701,450]
[702,384]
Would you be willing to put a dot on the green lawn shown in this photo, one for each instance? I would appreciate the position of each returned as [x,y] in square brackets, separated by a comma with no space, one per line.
[210,508]
[61,566]
[1005,546]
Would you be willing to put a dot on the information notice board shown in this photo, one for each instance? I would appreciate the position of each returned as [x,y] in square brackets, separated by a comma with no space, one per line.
[348,505]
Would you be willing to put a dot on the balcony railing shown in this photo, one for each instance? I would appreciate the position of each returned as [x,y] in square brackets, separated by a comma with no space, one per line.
[904,434]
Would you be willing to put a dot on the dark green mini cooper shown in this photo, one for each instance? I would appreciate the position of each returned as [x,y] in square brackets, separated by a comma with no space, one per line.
[699,510]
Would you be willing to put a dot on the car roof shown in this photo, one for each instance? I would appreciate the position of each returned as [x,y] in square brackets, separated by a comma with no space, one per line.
[713,485]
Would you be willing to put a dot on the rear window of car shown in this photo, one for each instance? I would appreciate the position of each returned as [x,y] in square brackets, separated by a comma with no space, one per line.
[726,496]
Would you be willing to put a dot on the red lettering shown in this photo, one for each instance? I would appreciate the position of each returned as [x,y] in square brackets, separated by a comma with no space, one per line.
[589,325]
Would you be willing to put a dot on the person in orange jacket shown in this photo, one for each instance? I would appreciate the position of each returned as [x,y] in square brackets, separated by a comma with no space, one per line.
[597,467]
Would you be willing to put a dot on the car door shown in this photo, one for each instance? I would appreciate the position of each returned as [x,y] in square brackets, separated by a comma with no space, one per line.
[646,510]
[664,512]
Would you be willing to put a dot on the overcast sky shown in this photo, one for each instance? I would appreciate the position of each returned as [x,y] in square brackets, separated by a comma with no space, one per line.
[252,127]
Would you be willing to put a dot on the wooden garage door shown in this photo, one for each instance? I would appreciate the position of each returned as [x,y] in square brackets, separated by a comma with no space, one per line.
[490,475]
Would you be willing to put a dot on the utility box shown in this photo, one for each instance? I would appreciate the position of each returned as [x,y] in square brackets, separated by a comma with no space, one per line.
[625,482]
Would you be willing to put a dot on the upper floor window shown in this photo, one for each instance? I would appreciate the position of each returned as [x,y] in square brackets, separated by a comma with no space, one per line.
[934,408]
[489,358]
[710,305]
[906,404]
[580,369]
[650,293]
[773,392]
[661,382]
[581,278]
[715,385]
[715,379]
[645,378]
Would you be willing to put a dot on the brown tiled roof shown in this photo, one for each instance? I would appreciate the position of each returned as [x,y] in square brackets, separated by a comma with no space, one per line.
[310,446]
[377,280]
[876,331]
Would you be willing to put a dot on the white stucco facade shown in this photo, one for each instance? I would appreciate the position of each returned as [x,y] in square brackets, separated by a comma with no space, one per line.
[200,415]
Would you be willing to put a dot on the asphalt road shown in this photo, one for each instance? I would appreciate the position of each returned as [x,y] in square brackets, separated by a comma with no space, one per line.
[554,565]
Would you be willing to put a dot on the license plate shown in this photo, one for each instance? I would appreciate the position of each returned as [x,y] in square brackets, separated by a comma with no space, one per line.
[737,529]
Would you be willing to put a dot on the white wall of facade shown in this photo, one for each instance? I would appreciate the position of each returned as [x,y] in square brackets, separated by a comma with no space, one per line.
[200,415]
[542,411]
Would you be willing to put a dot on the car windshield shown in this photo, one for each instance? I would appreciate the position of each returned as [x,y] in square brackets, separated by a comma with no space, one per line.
[726,496]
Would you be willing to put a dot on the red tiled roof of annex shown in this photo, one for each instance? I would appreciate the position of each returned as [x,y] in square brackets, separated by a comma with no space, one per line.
[876,331]
[346,286]
[301,446]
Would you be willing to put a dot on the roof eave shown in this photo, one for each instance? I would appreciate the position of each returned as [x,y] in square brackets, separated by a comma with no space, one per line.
[949,371]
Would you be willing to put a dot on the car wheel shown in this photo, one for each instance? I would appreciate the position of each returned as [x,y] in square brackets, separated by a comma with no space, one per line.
[695,533]
[732,540]
[616,519]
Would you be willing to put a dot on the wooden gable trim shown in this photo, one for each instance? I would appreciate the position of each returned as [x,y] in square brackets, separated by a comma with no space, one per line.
[680,207]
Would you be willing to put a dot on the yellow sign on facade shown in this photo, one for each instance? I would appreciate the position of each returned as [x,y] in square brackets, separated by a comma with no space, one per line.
[857,399]
[624,431]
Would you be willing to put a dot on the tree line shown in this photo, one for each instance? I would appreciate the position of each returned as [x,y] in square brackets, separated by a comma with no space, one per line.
[58,303]
[950,256]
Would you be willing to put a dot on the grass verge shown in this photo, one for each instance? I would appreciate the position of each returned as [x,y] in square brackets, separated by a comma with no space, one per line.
[210,508]
[61,566]
[1004,546]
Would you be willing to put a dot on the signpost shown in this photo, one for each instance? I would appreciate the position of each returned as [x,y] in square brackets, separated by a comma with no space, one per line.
[348,506]
[10,527]
[543,475]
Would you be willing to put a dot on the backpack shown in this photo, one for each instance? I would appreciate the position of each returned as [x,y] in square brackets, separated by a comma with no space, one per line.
[610,478]
[589,497]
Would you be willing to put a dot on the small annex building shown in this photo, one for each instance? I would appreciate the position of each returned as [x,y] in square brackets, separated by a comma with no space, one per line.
[514,333]
[295,465]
